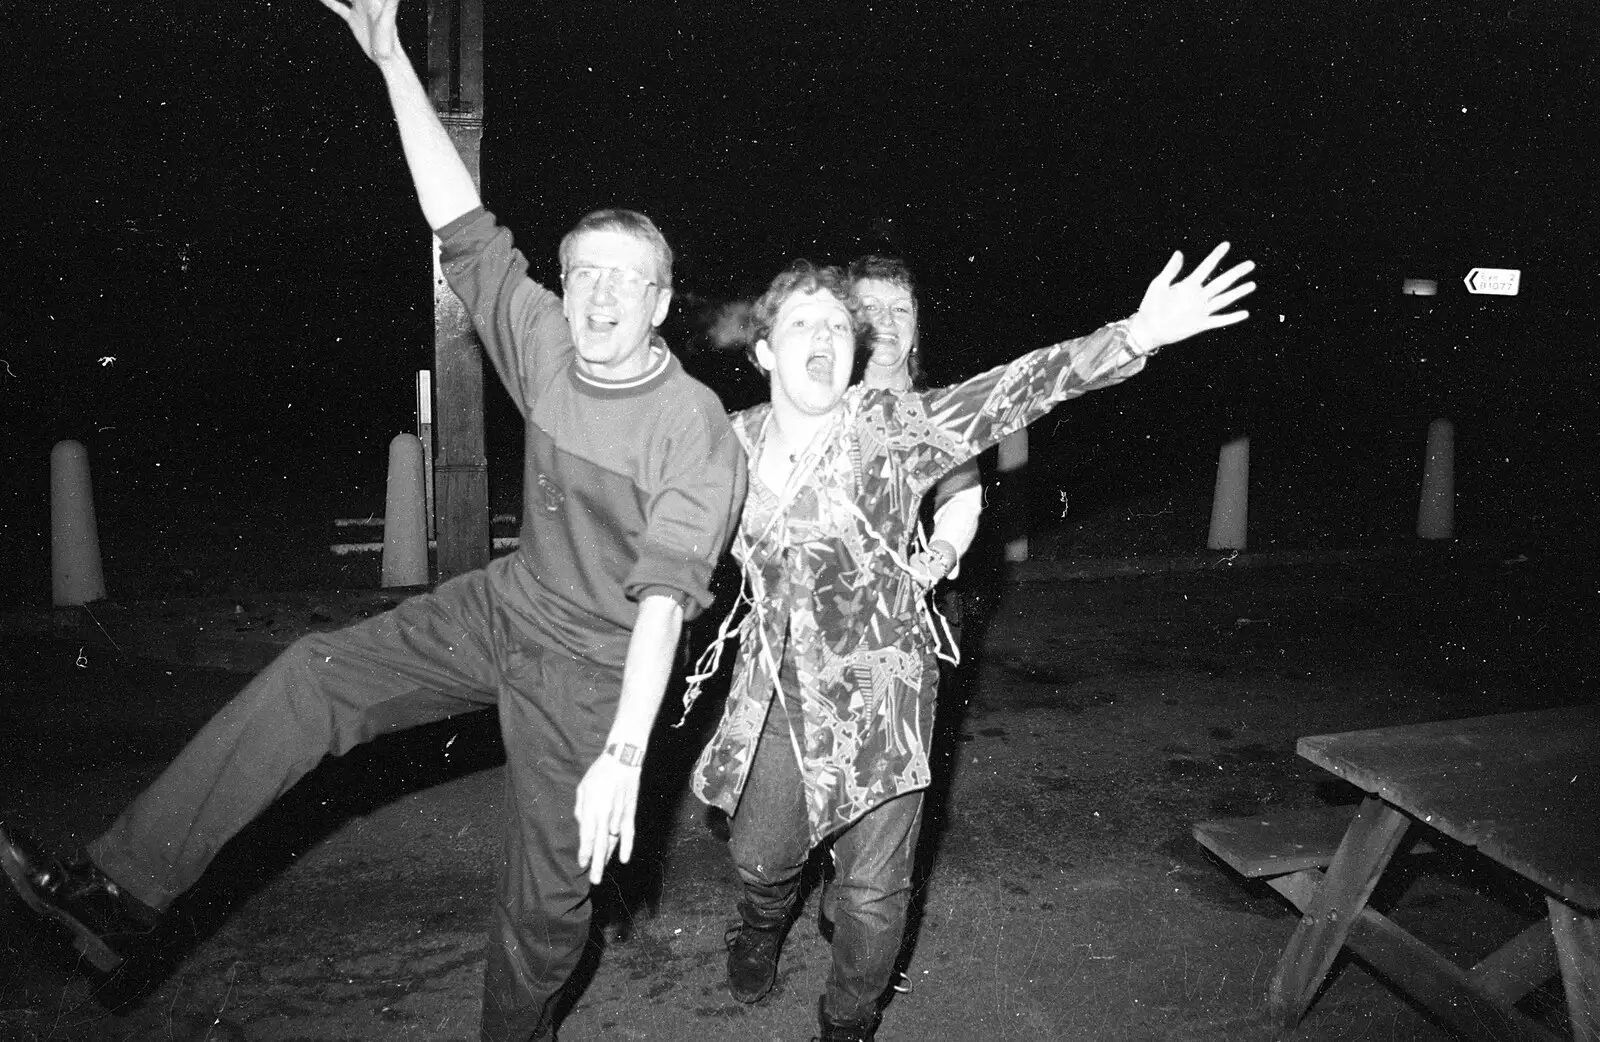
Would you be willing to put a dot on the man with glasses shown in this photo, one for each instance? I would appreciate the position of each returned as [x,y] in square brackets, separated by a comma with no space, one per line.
[632,481]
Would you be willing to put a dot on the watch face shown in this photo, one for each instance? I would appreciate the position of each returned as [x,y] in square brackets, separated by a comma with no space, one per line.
[627,755]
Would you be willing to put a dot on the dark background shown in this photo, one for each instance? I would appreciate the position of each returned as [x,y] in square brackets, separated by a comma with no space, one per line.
[219,277]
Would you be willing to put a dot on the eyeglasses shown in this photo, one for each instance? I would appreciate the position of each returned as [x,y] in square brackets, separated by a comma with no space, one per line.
[627,285]
[900,310]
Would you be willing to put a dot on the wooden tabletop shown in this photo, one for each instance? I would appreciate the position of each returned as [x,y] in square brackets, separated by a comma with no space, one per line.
[1524,788]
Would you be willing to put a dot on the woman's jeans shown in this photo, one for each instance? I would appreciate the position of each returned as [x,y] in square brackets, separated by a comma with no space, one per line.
[873,860]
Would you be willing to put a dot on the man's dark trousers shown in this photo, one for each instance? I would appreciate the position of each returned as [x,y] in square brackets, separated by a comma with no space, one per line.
[466,645]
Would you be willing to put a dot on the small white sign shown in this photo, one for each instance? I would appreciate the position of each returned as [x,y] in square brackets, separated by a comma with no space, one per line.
[424,396]
[1499,282]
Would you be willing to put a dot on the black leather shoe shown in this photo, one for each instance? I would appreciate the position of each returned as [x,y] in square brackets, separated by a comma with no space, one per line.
[753,960]
[107,922]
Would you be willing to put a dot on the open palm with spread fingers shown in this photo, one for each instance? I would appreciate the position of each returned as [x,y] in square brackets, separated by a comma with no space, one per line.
[372,22]
[1175,310]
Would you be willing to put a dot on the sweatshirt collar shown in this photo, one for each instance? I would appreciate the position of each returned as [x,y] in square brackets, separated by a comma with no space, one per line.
[661,364]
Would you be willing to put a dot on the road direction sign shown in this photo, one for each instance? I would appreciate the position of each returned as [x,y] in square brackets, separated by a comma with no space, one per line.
[1499,282]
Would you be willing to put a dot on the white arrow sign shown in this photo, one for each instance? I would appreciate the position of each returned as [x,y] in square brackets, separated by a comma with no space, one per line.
[1500,282]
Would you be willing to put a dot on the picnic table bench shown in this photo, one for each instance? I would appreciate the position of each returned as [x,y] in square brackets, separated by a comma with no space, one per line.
[1520,788]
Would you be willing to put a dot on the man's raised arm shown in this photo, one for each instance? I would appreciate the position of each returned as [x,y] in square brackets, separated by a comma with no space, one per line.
[444,185]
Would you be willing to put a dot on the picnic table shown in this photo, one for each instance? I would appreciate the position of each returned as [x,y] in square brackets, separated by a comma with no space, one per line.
[1520,788]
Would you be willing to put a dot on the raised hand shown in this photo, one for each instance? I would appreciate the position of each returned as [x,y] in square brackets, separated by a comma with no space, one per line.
[372,22]
[1173,311]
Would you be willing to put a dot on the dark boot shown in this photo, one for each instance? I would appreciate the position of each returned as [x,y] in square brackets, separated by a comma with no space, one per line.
[841,1031]
[107,922]
[753,959]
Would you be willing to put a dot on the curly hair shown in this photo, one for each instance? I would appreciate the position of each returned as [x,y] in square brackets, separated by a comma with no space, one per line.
[893,270]
[804,277]
[628,222]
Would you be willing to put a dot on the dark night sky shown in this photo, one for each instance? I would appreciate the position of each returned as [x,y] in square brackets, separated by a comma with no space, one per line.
[214,196]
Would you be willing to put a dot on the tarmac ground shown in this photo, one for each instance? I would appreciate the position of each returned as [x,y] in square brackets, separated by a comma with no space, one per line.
[1095,719]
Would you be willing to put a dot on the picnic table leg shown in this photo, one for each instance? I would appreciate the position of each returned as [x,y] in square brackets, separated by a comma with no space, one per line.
[1578,948]
[1363,854]
[1519,965]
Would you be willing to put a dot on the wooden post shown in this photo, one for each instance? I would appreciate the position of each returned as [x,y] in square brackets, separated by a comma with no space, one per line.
[1436,509]
[1012,463]
[461,469]
[75,572]
[1230,502]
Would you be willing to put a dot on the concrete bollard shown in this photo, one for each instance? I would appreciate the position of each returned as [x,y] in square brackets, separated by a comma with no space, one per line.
[1012,459]
[1436,510]
[405,516]
[1230,502]
[75,573]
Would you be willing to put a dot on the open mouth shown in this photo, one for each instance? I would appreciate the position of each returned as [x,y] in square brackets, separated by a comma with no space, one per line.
[819,367]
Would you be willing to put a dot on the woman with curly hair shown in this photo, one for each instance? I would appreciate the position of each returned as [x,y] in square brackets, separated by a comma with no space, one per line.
[825,734]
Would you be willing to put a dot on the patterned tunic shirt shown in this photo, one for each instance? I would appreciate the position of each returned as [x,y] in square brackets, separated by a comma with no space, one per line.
[826,576]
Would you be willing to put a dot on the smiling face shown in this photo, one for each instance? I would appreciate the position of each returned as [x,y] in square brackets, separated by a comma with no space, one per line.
[892,310]
[611,328]
[809,352]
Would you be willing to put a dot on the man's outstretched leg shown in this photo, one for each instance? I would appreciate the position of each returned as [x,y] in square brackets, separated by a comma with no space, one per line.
[326,694]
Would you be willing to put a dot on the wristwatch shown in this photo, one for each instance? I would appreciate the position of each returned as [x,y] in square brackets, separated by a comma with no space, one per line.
[625,754]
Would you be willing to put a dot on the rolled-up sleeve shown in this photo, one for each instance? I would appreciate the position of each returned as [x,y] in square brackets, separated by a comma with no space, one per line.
[692,514]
